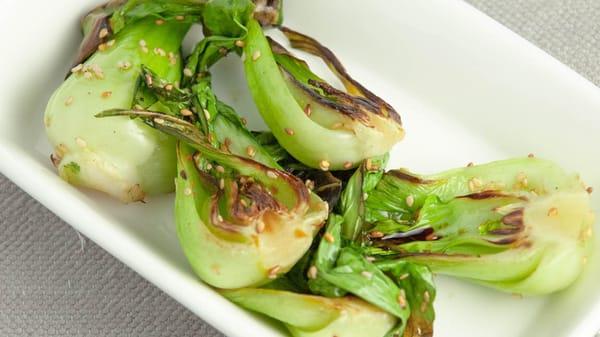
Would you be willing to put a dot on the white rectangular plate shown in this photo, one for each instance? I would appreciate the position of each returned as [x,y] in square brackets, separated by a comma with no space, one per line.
[467,89]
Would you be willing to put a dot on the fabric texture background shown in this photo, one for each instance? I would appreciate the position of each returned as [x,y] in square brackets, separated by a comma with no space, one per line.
[54,282]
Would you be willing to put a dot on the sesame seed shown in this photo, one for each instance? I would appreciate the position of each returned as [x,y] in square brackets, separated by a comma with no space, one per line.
[470,164]
[337,125]
[366,274]
[225,146]
[61,149]
[138,107]
[210,137]
[402,298]
[223,51]
[159,51]
[273,272]
[530,155]
[77,68]
[110,43]
[250,151]
[220,218]
[289,131]
[187,191]
[240,43]
[312,272]
[69,100]
[522,178]
[103,33]
[328,237]
[98,72]
[260,227]
[180,18]
[410,200]
[186,112]
[149,80]
[106,94]
[272,174]
[324,165]
[309,184]
[159,22]
[368,164]
[206,114]
[474,184]
[142,43]
[209,166]
[169,87]
[376,234]
[426,296]
[431,237]
[404,276]
[79,141]
[244,120]
[553,211]
[347,165]
[423,306]
[145,50]
[244,202]
[87,75]
[124,65]
[256,55]
[220,169]
[370,258]
[589,190]
[159,121]
[102,47]
[221,183]
[308,110]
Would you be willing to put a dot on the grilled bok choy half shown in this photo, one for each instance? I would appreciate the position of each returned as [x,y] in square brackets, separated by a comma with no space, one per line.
[241,223]
[241,220]
[122,156]
[315,316]
[119,156]
[520,225]
[319,125]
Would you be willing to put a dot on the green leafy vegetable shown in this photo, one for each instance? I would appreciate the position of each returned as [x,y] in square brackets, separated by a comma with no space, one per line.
[119,156]
[353,198]
[520,225]
[315,316]
[226,17]
[417,287]
[309,118]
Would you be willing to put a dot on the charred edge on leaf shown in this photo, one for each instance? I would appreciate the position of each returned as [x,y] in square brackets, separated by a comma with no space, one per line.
[327,186]
[488,194]
[514,218]
[262,202]
[101,20]
[403,175]
[302,193]
[417,234]
[350,109]
[310,45]
[355,107]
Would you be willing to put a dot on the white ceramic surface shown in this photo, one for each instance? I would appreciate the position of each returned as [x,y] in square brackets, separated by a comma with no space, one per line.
[467,89]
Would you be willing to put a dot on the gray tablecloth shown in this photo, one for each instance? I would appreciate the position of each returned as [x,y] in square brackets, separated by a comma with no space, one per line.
[55,283]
